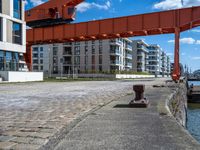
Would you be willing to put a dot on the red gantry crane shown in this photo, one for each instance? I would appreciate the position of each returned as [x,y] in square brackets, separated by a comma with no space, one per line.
[50,23]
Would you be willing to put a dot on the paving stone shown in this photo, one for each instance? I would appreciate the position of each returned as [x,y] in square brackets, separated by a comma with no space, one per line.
[40,110]
[6,145]
[6,138]
[25,147]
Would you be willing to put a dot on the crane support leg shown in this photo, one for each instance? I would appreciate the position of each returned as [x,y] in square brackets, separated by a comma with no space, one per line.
[176,71]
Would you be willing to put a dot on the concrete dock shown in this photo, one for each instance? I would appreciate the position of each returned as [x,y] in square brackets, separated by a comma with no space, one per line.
[87,116]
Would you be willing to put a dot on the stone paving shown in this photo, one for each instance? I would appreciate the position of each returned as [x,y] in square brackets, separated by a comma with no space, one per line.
[32,113]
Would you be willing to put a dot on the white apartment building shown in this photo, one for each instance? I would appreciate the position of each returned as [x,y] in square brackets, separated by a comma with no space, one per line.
[155,63]
[83,57]
[140,56]
[12,35]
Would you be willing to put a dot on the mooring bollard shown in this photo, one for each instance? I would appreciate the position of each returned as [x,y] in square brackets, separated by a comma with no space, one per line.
[140,100]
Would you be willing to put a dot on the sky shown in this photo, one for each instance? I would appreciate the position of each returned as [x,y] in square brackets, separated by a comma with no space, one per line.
[101,9]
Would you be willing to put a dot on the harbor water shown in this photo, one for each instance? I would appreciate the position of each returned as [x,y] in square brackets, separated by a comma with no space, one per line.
[193,116]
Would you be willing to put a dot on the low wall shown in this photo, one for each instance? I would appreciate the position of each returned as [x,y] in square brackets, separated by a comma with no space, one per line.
[117,76]
[178,104]
[132,76]
[12,76]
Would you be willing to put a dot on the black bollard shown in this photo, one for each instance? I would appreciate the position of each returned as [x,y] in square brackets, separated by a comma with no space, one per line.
[140,100]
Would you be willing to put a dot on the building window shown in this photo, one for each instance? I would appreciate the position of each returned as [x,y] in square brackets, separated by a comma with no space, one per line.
[77,50]
[41,49]
[100,49]
[17,9]
[0,6]
[41,67]
[1,22]
[41,61]
[35,55]
[35,61]
[41,55]
[35,49]
[17,33]
[35,68]
[55,50]
[77,60]
[93,49]
[100,59]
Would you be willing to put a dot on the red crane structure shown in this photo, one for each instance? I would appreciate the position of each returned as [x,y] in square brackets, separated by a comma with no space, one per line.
[50,23]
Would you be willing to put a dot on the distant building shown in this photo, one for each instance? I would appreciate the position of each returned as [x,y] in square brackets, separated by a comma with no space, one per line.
[140,56]
[80,57]
[155,64]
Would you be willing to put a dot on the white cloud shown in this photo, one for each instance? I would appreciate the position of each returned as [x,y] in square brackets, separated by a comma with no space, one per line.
[196,58]
[169,54]
[37,2]
[174,4]
[85,6]
[198,42]
[185,41]
[196,30]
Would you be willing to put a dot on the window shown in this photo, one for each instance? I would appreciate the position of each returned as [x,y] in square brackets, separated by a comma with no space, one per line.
[1,33]
[41,49]
[100,59]
[35,49]
[41,55]
[55,50]
[17,8]
[77,50]
[41,67]
[17,33]
[0,6]
[41,61]
[35,68]
[100,49]
[35,61]
[35,55]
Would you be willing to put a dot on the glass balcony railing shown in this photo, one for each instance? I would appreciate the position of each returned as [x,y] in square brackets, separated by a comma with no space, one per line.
[116,52]
[115,62]
[129,56]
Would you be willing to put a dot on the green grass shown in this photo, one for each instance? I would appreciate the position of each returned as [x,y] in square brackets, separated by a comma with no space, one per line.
[194,105]
[78,79]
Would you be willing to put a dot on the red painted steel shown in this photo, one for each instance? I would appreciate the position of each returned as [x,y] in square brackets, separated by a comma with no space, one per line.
[52,9]
[173,21]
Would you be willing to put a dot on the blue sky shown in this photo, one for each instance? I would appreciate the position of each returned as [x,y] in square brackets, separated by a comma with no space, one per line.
[100,9]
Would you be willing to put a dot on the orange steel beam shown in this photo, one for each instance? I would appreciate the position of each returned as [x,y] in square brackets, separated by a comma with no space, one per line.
[173,21]
[49,9]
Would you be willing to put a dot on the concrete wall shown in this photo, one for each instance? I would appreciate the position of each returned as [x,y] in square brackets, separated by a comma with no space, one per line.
[178,104]
[130,76]
[12,76]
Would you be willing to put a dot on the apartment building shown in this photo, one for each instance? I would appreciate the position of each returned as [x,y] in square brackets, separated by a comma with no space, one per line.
[12,35]
[81,57]
[140,56]
[155,63]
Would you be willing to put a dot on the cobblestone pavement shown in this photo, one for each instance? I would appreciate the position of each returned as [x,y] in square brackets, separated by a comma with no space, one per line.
[32,113]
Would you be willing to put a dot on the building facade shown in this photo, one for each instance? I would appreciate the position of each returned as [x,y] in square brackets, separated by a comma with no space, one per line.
[12,35]
[97,56]
[155,63]
[140,56]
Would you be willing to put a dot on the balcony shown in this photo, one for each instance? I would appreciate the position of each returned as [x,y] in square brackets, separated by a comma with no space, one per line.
[129,47]
[67,53]
[115,52]
[129,56]
[141,61]
[115,42]
[128,64]
[67,63]
[116,62]
[142,47]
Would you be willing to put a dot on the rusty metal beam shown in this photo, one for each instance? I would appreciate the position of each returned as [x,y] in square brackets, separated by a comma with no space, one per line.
[146,24]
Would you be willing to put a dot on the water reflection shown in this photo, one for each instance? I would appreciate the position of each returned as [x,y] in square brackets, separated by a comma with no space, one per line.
[193,123]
